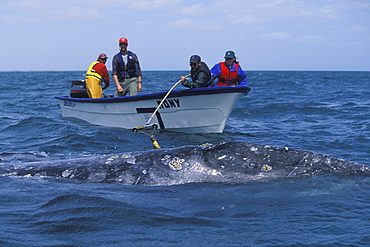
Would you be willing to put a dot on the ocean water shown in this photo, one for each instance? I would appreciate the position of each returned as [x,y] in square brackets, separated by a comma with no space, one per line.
[320,111]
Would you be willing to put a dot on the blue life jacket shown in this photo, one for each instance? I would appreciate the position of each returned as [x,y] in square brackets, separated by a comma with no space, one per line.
[126,70]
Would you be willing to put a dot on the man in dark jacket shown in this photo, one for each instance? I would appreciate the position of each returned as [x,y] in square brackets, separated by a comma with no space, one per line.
[200,74]
[126,71]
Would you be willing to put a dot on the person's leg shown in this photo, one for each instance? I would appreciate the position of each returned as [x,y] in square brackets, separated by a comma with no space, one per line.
[125,83]
[93,88]
[132,86]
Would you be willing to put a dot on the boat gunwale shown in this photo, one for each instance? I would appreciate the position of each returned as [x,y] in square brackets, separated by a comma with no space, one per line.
[177,93]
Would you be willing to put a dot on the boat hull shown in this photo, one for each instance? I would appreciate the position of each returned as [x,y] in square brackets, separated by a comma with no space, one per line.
[198,110]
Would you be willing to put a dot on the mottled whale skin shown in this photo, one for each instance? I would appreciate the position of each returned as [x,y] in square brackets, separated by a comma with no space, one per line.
[228,162]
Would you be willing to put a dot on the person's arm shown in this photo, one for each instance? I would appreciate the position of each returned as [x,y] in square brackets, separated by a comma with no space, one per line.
[216,70]
[139,83]
[186,81]
[118,86]
[105,75]
[114,74]
[242,77]
[139,73]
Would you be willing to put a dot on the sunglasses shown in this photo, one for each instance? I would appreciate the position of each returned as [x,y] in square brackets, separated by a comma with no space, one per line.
[123,43]
[193,64]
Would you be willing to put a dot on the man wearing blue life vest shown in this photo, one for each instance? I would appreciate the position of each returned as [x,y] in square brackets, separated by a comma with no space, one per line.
[96,74]
[126,71]
[229,72]
[200,74]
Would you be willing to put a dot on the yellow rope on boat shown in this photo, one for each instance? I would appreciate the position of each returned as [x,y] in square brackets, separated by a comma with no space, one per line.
[155,143]
[152,138]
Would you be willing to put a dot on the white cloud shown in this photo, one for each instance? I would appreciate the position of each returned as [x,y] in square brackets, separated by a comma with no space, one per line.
[41,10]
[311,38]
[248,21]
[253,11]
[12,19]
[317,13]
[358,29]
[183,23]
[75,13]
[194,10]
[194,24]
[243,19]
[276,35]
[247,12]
[144,23]
[154,4]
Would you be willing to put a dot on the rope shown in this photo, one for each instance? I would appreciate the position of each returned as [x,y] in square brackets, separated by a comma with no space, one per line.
[152,138]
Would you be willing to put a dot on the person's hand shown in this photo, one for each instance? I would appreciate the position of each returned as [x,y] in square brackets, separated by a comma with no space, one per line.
[119,89]
[182,78]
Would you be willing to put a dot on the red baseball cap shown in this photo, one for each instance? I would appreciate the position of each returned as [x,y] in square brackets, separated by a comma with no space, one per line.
[102,55]
[123,40]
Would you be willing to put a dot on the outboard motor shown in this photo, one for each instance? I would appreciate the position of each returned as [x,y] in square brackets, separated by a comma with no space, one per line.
[78,89]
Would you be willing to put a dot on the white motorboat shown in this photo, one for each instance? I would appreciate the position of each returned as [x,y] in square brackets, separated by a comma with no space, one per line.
[197,110]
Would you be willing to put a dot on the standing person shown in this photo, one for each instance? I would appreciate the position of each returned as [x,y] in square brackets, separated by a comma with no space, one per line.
[95,75]
[229,72]
[126,71]
[200,74]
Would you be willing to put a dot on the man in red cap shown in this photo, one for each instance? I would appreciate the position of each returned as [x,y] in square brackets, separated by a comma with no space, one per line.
[96,74]
[126,71]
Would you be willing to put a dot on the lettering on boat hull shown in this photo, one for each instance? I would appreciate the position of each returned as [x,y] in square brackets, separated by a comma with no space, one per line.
[69,103]
[169,103]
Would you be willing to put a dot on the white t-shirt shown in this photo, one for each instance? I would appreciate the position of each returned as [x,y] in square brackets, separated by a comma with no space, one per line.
[124,57]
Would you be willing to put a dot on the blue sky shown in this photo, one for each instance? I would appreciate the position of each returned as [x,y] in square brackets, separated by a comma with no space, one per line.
[40,35]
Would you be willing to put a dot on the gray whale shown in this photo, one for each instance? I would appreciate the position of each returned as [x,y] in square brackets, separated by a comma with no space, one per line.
[229,162]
